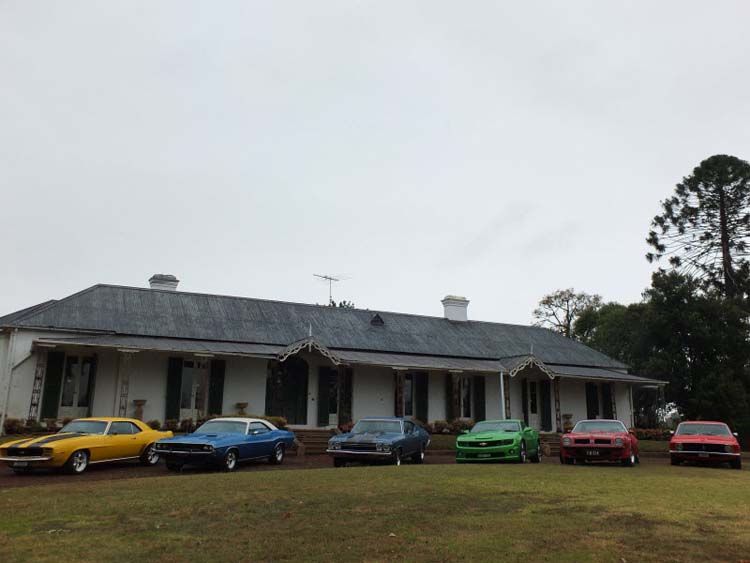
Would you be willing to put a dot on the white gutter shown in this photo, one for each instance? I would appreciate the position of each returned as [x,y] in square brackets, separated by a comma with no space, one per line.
[9,376]
[502,396]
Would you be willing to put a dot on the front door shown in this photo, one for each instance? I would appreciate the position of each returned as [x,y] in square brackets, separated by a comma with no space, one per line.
[533,406]
[77,387]
[194,389]
[286,390]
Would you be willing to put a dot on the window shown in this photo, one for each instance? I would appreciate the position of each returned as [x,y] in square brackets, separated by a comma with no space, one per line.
[257,428]
[123,428]
[409,395]
[408,427]
[465,397]
[532,397]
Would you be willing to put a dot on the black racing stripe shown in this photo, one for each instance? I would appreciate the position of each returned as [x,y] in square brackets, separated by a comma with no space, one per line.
[56,438]
[18,444]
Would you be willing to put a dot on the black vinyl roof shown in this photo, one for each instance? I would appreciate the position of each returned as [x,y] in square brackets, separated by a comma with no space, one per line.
[175,314]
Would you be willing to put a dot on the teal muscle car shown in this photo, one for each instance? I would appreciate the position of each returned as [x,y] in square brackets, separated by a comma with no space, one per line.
[499,440]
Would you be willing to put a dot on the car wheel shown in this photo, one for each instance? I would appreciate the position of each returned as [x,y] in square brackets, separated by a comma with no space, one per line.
[172,466]
[338,462]
[77,462]
[396,457]
[736,464]
[150,456]
[230,461]
[419,456]
[537,457]
[562,460]
[277,456]
[674,460]
[522,453]
[630,460]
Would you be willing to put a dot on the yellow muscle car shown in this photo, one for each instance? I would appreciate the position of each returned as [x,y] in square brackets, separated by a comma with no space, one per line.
[82,442]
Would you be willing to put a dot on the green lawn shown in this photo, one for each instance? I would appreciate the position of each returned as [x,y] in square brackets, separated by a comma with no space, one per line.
[546,512]
[442,442]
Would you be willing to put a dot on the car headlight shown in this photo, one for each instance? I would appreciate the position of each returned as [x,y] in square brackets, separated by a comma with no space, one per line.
[207,448]
[46,451]
[335,445]
[678,447]
[566,442]
[383,447]
[619,442]
[728,449]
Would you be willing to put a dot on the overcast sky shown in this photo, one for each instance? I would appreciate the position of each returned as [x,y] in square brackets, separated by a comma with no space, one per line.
[497,150]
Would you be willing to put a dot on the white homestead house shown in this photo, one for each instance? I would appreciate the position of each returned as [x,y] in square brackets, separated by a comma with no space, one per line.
[160,353]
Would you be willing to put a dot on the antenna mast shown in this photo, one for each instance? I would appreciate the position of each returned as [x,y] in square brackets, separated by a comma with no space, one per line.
[330,280]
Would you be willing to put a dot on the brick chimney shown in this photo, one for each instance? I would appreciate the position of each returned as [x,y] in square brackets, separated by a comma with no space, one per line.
[455,308]
[163,281]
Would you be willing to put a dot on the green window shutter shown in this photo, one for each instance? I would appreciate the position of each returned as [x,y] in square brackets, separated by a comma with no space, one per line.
[525,400]
[420,396]
[480,412]
[216,387]
[324,381]
[174,387]
[345,395]
[545,389]
[52,384]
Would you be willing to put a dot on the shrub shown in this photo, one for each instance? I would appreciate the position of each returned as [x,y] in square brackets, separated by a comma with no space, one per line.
[428,427]
[186,425]
[651,433]
[171,424]
[459,425]
[67,420]
[154,424]
[441,427]
[34,427]
[277,421]
[13,426]
[346,426]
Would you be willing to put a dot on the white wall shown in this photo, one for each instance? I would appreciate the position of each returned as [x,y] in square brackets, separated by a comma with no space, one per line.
[436,396]
[622,403]
[148,380]
[573,398]
[245,382]
[492,396]
[516,404]
[372,392]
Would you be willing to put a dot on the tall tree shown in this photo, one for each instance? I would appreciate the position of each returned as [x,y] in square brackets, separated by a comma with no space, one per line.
[703,229]
[559,310]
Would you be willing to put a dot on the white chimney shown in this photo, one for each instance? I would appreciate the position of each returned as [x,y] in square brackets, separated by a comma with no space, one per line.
[455,308]
[163,281]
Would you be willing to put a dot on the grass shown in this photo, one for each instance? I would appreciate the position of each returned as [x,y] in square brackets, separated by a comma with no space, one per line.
[545,512]
[442,442]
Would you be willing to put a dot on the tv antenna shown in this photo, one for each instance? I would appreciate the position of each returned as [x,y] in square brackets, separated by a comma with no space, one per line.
[330,279]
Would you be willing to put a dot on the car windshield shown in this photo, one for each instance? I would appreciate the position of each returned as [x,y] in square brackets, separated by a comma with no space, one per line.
[215,426]
[496,426]
[85,427]
[600,426]
[693,429]
[376,426]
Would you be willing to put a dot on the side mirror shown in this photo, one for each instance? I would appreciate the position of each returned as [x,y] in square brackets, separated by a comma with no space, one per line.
[735,434]
[464,431]
[671,432]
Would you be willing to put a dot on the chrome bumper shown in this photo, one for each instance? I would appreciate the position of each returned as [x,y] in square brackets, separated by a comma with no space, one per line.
[183,452]
[697,452]
[25,458]
[351,452]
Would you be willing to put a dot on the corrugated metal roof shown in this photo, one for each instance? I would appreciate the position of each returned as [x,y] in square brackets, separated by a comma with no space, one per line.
[410,361]
[194,316]
[598,373]
[167,345]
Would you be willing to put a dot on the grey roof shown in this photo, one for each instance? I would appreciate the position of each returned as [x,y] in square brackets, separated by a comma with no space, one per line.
[598,373]
[410,361]
[195,316]
[10,318]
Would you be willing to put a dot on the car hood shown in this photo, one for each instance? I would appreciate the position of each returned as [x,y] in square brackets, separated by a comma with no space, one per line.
[488,435]
[212,438]
[704,439]
[373,437]
[59,441]
[594,435]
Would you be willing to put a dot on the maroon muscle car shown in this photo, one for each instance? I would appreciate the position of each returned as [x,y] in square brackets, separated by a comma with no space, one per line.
[705,441]
[599,440]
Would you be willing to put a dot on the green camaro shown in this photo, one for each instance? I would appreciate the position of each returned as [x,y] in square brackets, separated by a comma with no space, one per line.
[498,440]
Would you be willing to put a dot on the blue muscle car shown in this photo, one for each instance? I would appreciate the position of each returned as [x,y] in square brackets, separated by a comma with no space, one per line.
[224,442]
[380,439]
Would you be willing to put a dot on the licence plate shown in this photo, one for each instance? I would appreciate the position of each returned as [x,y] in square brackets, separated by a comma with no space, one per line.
[484,455]
[21,464]
[593,453]
[703,454]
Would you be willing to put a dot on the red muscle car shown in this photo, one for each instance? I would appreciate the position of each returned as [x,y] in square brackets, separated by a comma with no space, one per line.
[599,440]
[705,441]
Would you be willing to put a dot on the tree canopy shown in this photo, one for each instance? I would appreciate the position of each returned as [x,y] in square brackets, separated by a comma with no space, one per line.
[703,229]
[560,309]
